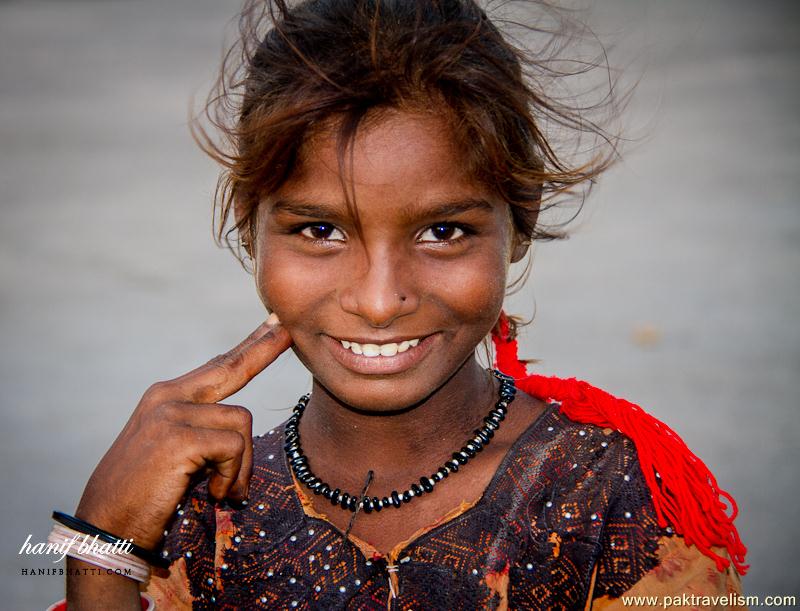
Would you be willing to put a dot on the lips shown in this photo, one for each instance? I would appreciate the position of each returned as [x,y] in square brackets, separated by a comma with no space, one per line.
[371,357]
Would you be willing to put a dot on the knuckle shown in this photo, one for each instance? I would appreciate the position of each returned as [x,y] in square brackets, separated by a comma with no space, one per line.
[227,361]
[273,338]
[243,416]
[157,392]
[225,366]
[268,335]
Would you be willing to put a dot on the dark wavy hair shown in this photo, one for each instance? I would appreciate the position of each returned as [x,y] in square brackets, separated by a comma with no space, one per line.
[298,67]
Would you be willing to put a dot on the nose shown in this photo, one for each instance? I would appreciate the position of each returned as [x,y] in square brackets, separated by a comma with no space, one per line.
[380,290]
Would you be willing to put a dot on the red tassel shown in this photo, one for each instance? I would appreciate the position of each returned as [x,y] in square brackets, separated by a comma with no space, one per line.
[685,493]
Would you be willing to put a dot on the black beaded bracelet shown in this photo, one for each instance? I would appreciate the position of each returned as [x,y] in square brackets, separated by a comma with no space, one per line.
[88,529]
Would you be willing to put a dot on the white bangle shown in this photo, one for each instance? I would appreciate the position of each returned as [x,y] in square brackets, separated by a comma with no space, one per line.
[84,547]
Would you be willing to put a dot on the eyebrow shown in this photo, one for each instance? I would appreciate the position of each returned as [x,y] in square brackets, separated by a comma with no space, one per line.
[305,208]
[458,207]
[443,209]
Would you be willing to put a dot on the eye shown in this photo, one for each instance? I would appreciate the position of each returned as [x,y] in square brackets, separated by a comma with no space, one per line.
[442,232]
[322,232]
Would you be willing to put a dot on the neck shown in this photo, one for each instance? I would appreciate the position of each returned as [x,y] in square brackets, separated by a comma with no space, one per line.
[344,444]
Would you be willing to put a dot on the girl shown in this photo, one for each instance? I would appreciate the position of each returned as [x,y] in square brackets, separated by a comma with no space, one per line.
[388,162]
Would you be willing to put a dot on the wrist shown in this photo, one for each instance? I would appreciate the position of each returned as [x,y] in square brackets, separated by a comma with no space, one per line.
[90,587]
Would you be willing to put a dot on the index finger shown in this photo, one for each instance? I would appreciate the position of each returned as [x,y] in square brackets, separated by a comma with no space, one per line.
[228,373]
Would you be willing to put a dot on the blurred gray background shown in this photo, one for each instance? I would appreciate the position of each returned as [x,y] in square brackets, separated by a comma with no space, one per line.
[677,290]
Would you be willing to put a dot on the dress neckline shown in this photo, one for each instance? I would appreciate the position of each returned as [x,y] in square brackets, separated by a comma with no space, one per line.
[463,511]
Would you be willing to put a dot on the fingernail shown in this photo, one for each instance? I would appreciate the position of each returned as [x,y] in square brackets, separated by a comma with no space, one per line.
[273,319]
[237,494]
[236,503]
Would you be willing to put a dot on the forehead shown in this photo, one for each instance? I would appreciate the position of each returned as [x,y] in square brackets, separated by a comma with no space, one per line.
[394,152]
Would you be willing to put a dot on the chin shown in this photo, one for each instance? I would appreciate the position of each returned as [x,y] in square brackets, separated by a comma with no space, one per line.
[381,396]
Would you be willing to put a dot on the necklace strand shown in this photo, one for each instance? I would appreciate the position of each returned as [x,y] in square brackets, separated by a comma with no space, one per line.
[473,445]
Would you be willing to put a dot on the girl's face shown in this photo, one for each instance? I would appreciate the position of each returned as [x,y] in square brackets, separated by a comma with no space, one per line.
[421,283]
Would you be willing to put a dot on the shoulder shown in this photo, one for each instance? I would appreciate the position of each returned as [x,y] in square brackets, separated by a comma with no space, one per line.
[668,521]
[558,449]
[569,480]
[641,549]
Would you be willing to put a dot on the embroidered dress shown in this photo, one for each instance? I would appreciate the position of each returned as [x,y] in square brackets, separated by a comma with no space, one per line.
[567,522]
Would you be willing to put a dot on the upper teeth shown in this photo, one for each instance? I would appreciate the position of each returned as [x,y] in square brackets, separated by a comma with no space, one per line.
[379,349]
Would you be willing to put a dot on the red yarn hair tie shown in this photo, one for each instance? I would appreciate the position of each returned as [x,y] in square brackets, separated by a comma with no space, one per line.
[685,493]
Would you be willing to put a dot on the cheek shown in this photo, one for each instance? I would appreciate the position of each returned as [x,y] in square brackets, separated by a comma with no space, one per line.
[285,286]
[473,292]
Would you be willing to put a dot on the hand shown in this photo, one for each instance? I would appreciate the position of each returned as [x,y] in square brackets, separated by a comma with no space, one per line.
[177,429]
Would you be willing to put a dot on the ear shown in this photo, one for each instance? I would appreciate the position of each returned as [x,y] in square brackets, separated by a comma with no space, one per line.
[520,247]
[522,240]
[248,234]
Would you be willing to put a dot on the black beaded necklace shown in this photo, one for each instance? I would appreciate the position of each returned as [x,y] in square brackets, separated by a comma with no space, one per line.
[483,435]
